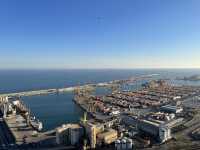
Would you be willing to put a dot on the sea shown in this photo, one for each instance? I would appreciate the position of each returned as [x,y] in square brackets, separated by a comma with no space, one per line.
[57,109]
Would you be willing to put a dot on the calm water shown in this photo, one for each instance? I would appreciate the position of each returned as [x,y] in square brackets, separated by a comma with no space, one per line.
[55,110]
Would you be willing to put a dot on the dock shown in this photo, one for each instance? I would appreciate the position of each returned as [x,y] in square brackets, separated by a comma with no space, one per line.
[22,132]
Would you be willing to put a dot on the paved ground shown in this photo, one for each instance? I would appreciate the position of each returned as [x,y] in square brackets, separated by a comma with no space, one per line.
[6,138]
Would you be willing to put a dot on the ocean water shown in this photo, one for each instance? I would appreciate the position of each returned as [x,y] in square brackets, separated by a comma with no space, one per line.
[54,110]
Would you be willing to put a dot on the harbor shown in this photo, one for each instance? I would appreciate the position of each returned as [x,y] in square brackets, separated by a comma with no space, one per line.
[23,127]
[121,119]
[99,75]
[151,117]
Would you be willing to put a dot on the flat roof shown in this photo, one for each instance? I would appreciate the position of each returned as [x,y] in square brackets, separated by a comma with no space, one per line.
[150,122]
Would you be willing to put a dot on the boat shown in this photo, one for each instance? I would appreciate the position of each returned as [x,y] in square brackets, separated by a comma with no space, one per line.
[36,124]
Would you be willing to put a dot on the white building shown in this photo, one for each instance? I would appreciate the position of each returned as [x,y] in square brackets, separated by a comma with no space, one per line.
[159,130]
[164,133]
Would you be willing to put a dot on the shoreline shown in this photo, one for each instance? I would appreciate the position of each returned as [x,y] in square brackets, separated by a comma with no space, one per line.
[72,88]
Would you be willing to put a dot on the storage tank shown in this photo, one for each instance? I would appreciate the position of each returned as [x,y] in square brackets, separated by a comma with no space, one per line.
[129,144]
[172,116]
[74,135]
[167,118]
[118,145]
[123,144]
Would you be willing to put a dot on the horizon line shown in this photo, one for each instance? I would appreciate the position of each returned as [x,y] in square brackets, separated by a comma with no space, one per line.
[145,68]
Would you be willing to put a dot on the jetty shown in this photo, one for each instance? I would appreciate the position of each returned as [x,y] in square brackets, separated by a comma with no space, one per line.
[72,88]
[40,92]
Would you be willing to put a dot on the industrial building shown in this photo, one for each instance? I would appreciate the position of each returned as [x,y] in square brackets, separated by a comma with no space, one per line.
[161,131]
[107,137]
[4,106]
[98,133]
[69,134]
[124,144]
[92,129]
[171,109]
[158,129]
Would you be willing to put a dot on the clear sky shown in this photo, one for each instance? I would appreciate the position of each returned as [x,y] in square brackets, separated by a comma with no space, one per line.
[99,34]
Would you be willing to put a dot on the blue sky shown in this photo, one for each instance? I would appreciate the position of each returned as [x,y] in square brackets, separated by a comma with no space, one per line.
[99,34]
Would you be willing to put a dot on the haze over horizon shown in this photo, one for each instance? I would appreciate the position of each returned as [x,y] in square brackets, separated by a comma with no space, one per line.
[99,34]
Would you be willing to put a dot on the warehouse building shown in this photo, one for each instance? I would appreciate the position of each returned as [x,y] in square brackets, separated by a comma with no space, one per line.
[158,129]
[161,131]
[171,109]
[107,137]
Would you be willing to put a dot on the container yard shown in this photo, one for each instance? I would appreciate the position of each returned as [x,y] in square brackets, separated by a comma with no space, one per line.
[153,112]
[153,116]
